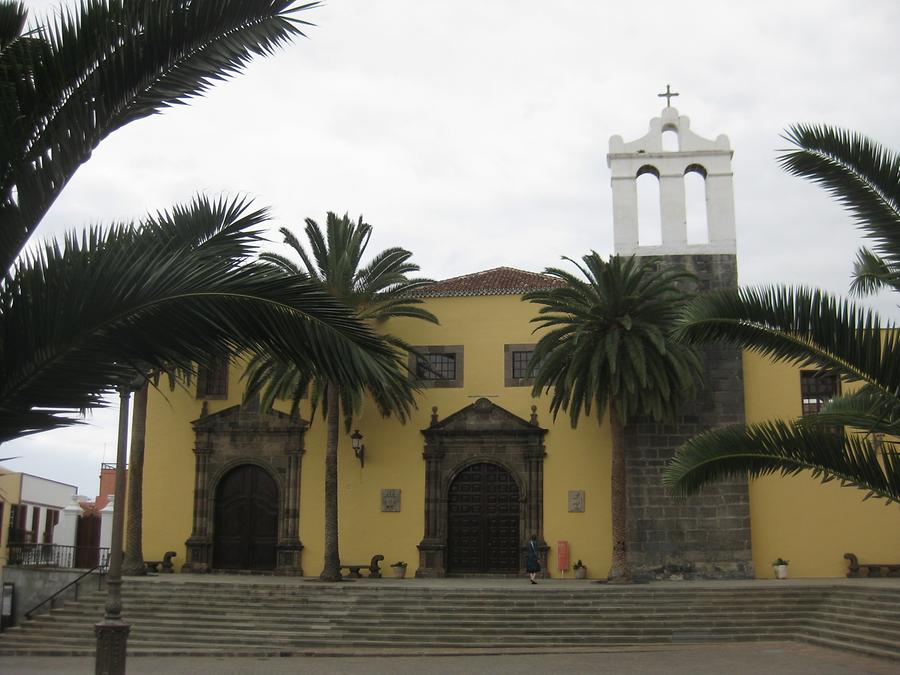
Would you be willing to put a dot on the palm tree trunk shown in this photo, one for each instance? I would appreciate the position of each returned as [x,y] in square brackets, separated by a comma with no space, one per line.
[332,571]
[619,571]
[133,564]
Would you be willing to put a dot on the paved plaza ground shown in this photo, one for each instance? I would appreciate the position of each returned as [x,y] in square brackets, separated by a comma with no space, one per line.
[770,658]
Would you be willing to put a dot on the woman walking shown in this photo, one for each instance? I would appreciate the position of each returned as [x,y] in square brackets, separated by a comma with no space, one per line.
[532,562]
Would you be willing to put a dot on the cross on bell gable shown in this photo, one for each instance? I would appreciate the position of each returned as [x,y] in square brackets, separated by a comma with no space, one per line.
[668,94]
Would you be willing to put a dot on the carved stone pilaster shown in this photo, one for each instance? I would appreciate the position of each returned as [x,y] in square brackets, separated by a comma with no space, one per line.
[289,546]
[199,543]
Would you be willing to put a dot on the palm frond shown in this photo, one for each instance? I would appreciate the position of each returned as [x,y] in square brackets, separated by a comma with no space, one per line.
[108,63]
[779,447]
[861,174]
[867,409]
[81,315]
[374,292]
[800,326]
[13,16]
[871,274]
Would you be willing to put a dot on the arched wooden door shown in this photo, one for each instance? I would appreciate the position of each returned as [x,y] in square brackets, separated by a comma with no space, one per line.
[246,520]
[483,527]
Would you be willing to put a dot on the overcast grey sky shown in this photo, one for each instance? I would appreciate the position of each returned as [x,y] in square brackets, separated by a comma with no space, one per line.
[475,134]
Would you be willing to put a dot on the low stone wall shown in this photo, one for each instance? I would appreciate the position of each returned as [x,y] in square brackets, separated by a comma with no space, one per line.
[33,584]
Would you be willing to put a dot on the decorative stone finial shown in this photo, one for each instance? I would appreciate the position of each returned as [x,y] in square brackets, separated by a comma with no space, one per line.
[204,410]
[534,419]
[434,415]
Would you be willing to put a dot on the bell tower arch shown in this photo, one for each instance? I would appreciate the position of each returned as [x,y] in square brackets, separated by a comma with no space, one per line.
[711,159]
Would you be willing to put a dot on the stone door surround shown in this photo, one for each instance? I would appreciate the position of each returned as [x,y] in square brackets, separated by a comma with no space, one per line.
[480,432]
[239,435]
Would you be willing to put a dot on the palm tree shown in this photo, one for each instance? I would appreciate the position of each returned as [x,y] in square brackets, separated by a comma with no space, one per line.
[607,347]
[813,328]
[375,292]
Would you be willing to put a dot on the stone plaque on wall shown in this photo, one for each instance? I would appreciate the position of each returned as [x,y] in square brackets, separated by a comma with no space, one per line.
[576,501]
[390,500]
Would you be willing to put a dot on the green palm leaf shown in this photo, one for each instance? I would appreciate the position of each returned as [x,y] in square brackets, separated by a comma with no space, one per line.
[861,174]
[81,315]
[103,65]
[871,274]
[787,449]
[801,326]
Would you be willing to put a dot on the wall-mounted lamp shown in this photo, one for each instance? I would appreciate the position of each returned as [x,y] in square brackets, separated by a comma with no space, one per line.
[358,448]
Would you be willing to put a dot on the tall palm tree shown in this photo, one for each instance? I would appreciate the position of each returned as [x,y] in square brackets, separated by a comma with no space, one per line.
[375,292]
[607,347]
[813,328]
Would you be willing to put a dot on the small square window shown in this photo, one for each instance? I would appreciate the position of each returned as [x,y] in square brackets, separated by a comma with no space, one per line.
[516,359]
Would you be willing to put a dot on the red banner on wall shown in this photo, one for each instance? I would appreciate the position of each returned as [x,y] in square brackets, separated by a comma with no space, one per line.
[562,555]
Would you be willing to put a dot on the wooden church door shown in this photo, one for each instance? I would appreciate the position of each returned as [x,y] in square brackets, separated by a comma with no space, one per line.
[483,528]
[246,520]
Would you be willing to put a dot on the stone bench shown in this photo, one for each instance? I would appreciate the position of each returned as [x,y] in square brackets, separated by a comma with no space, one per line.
[871,570]
[153,566]
[374,569]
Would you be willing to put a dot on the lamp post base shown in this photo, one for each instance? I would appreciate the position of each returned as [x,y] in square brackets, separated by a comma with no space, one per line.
[112,640]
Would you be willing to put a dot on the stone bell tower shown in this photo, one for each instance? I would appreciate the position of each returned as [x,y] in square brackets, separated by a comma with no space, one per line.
[707,536]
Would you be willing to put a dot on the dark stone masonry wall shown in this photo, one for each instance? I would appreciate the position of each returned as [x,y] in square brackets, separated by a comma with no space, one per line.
[706,536]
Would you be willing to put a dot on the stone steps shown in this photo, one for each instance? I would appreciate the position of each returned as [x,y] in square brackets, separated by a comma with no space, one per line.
[190,617]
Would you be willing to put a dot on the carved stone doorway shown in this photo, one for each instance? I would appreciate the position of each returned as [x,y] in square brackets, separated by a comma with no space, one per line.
[248,463]
[461,451]
[483,527]
[246,520]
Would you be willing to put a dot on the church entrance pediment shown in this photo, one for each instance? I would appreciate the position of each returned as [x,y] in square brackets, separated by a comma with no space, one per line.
[247,418]
[483,417]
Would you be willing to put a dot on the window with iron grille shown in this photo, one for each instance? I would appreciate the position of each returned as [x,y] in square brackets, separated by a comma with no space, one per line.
[520,361]
[816,389]
[212,378]
[438,366]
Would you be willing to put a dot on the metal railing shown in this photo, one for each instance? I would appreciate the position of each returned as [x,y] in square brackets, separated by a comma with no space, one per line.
[57,555]
[101,572]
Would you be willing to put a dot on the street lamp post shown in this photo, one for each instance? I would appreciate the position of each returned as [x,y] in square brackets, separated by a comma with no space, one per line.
[112,632]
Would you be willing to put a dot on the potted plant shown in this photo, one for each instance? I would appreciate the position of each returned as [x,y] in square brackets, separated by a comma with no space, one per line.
[780,567]
[399,569]
[580,570]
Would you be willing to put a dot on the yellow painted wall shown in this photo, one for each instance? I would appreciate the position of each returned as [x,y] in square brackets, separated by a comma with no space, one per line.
[797,518]
[575,460]
[10,494]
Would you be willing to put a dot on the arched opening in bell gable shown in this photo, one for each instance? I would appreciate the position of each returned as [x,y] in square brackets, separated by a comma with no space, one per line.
[695,204]
[649,214]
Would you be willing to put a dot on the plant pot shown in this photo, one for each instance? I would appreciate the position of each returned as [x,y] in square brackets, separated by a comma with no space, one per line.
[399,571]
[579,572]
[780,571]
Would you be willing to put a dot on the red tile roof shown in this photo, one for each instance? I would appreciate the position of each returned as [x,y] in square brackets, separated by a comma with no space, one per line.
[498,281]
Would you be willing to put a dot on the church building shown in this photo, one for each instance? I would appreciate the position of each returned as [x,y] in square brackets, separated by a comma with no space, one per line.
[481,465]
